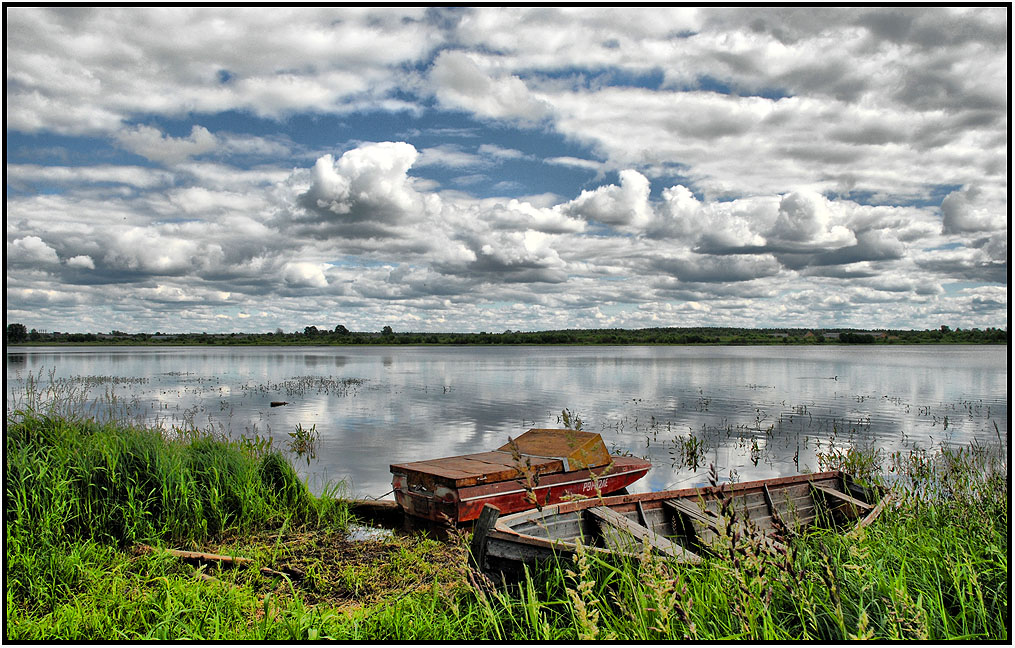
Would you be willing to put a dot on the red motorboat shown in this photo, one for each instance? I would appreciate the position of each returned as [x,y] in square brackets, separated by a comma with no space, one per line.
[538,468]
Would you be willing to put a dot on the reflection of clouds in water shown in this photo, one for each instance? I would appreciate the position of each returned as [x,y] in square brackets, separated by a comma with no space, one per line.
[419,403]
[793,440]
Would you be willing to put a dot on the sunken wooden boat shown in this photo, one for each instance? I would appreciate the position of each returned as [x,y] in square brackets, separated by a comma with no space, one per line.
[681,524]
[539,467]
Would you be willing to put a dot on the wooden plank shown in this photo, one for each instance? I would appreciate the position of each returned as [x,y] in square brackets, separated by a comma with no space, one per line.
[482,471]
[690,518]
[582,449]
[757,513]
[750,500]
[874,513]
[764,523]
[506,469]
[452,476]
[793,491]
[842,497]
[641,533]
[802,518]
[199,556]
[794,504]
[472,465]
[691,511]
[641,514]
[566,526]
[498,458]
[513,551]
[469,470]
[429,468]
[774,511]
[695,514]
[486,521]
[861,492]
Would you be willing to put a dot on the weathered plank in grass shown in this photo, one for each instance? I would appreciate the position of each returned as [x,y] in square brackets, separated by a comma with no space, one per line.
[205,558]
[199,556]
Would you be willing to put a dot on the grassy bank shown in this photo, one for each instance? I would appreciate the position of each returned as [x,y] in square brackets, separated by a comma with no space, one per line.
[90,510]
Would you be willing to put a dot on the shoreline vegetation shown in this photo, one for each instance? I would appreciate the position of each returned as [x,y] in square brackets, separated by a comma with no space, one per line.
[98,516]
[311,335]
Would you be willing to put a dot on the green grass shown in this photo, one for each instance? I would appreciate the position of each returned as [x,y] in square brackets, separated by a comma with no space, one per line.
[81,496]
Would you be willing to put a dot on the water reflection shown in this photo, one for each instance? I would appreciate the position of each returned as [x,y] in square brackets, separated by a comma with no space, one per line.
[754,412]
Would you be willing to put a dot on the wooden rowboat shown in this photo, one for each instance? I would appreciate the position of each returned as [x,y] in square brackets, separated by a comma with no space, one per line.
[681,524]
[538,468]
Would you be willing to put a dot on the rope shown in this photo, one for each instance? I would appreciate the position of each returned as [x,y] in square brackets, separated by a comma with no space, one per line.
[384,495]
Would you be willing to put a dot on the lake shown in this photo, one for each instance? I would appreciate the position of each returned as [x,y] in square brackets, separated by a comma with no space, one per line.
[753,412]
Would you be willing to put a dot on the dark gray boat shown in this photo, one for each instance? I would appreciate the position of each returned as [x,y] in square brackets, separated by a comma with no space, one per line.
[681,524]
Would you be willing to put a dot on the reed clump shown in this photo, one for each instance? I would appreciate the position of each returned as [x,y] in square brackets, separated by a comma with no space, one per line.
[83,480]
[77,490]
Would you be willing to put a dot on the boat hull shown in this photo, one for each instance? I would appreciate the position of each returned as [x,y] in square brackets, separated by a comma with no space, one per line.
[682,524]
[464,504]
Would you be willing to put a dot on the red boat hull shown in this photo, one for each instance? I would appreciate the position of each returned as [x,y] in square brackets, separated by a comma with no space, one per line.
[454,505]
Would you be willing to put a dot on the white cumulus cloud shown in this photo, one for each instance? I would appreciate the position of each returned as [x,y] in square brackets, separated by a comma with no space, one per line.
[304,275]
[31,250]
[625,205]
[81,261]
[806,219]
[368,182]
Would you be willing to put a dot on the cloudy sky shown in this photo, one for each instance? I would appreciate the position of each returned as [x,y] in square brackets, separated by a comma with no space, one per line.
[219,170]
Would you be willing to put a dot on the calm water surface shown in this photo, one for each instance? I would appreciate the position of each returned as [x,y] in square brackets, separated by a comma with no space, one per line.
[756,411]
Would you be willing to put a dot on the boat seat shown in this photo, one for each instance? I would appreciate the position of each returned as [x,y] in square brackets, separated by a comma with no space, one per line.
[693,512]
[660,543]
[832,494]
[709,520]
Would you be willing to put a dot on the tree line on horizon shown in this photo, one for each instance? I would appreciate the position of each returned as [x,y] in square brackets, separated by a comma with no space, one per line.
[17,333]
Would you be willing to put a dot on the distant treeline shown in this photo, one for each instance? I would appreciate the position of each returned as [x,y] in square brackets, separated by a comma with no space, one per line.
[16,333]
